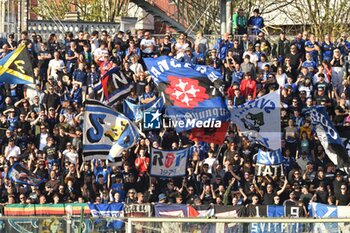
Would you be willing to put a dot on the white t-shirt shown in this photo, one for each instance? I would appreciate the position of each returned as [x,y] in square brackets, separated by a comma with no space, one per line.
[136,68]
[211,162]
[308,90]
[43,141]
[180,49]
[261,65]
[14,151]
[55,64]
[71,156]
[147,42]
[315,79]
[253,57]
[94,45]
[31,92]
[281,79]
[100,52]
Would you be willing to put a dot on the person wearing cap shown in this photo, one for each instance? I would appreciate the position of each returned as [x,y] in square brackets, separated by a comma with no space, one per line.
[343,198]
[12,151]
[170,35]
[11,42]
[131,197]
[165,46]
[281,48]
[162,198]
[320,97]
[321,83]
[214,61]
[337,183]
[189,57]
[258,52]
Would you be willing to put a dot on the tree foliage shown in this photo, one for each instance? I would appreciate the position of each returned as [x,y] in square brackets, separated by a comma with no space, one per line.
[89,10]
[323,16]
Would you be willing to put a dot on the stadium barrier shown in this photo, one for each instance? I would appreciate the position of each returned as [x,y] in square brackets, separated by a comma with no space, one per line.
[75,224]
[252,225]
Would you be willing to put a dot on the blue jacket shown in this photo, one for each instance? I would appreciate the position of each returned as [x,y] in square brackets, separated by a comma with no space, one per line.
[256,21]
[80,76]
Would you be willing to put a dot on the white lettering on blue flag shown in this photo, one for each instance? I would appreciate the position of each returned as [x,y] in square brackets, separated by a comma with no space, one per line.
[269,157]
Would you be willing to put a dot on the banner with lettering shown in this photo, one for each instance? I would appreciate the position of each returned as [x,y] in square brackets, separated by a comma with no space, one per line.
[114,210]
[269,163]
[273,211]
[329,138]
[106,132]
[138,210]
[169,163]
[193,98]
[260,119]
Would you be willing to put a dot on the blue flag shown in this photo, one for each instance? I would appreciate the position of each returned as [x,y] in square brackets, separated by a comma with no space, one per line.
[113,86]
[16,67]
[318,210]
[106,132]
[275,211]
[173,210]
[329,138]
[210,72]
[190,96]
[135,111]
[269,163]
[114,210]
[20,174]
[269,157]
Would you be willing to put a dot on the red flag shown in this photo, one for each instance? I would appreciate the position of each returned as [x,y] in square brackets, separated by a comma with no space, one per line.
[210,135]
[192,212]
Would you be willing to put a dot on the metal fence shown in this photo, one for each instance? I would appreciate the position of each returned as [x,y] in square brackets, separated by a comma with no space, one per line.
[80,224]
[233,225]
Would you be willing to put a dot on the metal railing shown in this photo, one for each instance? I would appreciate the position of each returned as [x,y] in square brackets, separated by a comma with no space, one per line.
[282,225]
[83,224]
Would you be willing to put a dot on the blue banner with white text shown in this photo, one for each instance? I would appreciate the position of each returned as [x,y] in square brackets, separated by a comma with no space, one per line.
[189,94]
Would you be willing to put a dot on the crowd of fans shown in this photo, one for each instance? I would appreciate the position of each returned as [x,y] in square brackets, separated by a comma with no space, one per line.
[41,123]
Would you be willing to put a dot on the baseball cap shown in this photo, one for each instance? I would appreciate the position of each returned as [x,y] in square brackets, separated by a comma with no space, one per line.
[161,196]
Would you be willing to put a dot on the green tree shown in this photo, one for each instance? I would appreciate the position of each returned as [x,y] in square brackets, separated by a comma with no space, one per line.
[89,10]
